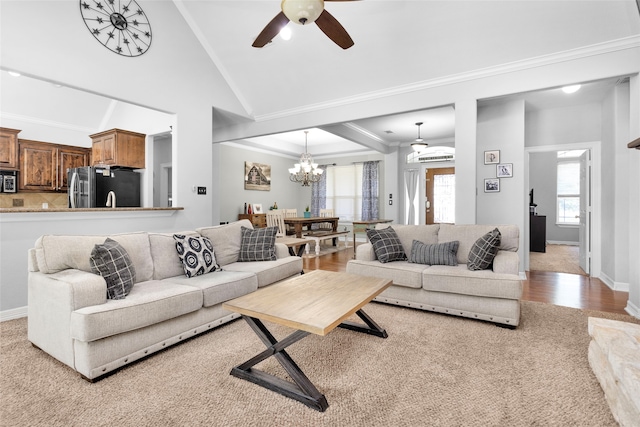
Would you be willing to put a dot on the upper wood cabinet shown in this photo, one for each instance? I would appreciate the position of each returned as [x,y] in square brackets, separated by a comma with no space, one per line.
[117,147]
[9,148]
[43,166]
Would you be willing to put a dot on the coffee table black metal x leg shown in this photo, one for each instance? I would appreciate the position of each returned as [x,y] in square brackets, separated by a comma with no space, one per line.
[301,389]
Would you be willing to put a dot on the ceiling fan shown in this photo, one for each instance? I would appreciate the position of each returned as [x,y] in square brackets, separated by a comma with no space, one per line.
[419,145]
[304,12]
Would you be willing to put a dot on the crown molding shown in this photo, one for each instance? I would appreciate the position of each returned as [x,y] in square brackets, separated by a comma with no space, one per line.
[51,123]
[631,42]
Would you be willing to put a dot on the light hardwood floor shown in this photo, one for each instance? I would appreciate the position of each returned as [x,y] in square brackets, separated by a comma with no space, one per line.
[568,290]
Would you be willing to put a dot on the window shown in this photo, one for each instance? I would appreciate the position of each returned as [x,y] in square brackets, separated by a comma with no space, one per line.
[344,191]
[568,188]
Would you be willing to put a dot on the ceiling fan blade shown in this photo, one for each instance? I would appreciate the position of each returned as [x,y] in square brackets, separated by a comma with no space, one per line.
[271,30]
[334,30]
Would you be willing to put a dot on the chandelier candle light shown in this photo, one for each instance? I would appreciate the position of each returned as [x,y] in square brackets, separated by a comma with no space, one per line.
[306,171]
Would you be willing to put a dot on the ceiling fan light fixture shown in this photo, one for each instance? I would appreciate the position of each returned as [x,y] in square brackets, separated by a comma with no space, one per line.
[285,33]
[302,11]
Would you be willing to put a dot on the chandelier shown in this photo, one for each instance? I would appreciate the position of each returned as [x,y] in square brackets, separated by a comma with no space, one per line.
[306,171]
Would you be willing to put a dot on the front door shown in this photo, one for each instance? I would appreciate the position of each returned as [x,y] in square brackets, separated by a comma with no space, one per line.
[440,195]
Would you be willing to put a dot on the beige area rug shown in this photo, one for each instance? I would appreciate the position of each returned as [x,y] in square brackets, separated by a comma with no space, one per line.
[557,258]
[432,370]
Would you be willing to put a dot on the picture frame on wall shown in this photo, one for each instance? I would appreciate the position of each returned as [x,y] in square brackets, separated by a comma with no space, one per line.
[257,176]
[257,208]
[491,185]
[492,157]
[504,170]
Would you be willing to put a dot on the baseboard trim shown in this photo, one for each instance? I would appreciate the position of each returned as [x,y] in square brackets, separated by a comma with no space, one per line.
[14,313]
[633,310]
[613,285]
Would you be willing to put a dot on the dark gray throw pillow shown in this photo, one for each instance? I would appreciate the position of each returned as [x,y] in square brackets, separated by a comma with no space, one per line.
[436,254]
[386,245]
[196,254]
[111,261]
[484,250]
[258,244]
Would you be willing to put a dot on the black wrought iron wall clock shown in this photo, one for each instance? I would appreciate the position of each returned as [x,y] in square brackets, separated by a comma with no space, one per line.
[120,25]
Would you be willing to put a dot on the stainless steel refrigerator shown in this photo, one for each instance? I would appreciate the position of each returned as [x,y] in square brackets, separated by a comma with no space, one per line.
[90,187]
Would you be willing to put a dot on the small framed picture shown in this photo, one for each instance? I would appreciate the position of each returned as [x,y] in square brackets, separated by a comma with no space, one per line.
[9,184]
[257,208]
[504,170]
[492,157]
[491,185]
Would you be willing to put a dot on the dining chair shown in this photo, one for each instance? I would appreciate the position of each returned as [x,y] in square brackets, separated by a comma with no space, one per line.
[275,218]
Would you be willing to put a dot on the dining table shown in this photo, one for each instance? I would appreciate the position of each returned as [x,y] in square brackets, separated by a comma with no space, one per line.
[362,227]
[299,223]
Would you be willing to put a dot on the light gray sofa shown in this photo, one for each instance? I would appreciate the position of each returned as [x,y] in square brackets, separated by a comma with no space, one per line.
[492,295]
[70,317]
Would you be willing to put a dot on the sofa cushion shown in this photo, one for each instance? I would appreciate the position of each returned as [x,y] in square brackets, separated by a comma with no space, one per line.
[220,287]
[111,261]
[461,280]
[258,244]
[57,253]
[196,254]
[467,234]
[269,272]
[484,250]
[225,240]
[148,303]
[386,245]
[403,273]
[427,234]
[166,262]
[436,254]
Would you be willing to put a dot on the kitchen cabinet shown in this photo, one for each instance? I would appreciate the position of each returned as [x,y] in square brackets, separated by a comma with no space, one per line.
[9,148]
[117,147]
[43,166]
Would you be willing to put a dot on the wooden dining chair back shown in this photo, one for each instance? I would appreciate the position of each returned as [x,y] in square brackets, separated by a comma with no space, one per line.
[326,225]
[275,218]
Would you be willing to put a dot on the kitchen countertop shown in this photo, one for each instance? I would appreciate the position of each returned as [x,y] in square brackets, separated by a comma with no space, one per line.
[69,210]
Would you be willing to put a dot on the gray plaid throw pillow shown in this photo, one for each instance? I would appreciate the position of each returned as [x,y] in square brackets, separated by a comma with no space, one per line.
[386,245]
[484,250]
[111,261]
[258,244]
[437,254]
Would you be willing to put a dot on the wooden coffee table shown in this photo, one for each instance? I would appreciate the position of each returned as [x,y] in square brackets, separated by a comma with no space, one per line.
[313,303]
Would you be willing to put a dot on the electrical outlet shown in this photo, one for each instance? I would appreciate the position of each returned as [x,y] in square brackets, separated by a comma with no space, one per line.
[202,190]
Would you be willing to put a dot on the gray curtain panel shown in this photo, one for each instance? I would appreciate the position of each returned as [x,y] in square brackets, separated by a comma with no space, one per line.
[370,191]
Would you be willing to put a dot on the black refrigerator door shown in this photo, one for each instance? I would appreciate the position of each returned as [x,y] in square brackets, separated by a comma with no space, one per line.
[125,184]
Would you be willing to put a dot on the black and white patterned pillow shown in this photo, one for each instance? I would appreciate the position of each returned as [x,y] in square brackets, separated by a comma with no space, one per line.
[445,253]
[111,261]
[258,244]
[484,250]
[386,245]
[196,254]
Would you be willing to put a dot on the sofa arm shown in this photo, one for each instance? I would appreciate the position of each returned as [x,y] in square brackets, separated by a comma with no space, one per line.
[506,262]
[365,252]
[282,251]
[51,300]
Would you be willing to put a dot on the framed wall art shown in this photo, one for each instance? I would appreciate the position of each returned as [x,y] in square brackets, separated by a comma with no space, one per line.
[491,185]
[504,170]
[257,208]
[257,176]
[9,184]
[492,157]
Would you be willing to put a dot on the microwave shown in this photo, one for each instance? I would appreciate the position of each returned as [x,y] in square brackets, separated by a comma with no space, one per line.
[8,181]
